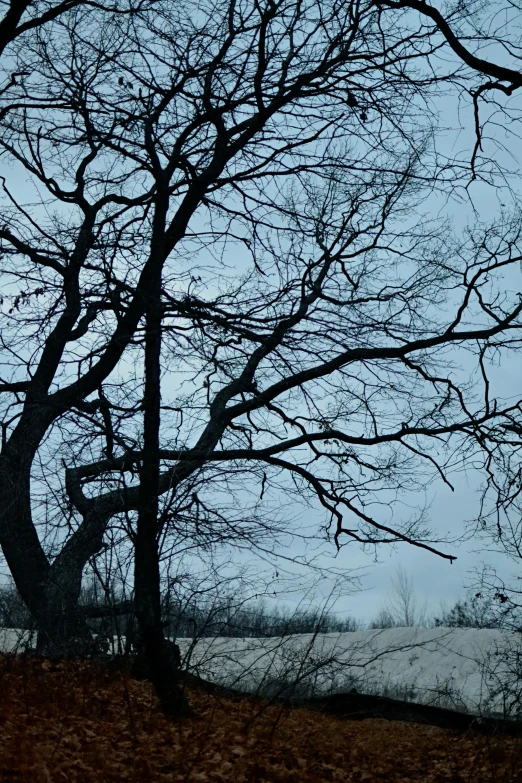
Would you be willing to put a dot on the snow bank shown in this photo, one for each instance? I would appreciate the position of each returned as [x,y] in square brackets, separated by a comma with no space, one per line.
[16,640]
[471,669]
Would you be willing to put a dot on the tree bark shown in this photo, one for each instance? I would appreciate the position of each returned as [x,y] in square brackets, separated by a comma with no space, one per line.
[163,672]
[62,627]
[19,540]
[50,592]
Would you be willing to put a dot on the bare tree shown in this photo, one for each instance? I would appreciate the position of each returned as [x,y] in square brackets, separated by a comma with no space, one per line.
[402,608]
[229,193]
[495,597]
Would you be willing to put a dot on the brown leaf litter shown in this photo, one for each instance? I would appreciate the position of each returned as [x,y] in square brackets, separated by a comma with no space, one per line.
[77,722]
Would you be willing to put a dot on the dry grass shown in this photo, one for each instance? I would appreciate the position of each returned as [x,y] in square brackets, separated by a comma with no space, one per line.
[76,721]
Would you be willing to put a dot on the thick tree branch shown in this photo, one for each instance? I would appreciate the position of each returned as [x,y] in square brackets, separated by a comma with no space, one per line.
[478,64]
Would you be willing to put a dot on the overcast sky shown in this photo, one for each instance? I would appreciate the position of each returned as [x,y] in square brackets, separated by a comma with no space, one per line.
[436,580]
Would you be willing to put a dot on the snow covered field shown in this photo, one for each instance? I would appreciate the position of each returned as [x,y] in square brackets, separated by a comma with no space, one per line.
[476,670]
[469,669]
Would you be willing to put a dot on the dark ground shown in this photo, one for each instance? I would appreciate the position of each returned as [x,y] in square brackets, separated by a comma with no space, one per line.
[79,722]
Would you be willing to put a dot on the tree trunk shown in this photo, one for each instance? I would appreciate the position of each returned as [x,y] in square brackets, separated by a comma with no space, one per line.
[62,628]
[164,674]
[161,665]
[18,537]
[50,592]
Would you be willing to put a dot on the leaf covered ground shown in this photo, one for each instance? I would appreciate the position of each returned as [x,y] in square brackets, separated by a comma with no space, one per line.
[80,722]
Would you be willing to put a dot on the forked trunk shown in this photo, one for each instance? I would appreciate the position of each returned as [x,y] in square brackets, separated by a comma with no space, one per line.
[50,593]
[62,630]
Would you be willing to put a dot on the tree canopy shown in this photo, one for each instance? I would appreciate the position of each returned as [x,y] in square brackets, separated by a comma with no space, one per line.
[223,281]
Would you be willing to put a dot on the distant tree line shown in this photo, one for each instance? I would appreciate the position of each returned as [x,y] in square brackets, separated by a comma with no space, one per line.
[479,611]
[256,620]
[232,617]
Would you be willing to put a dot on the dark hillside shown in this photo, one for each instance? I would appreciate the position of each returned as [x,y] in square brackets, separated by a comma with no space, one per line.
[79,722]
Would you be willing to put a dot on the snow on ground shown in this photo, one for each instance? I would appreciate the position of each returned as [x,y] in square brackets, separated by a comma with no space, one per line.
[479,670]
[16,640]
[472,669]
